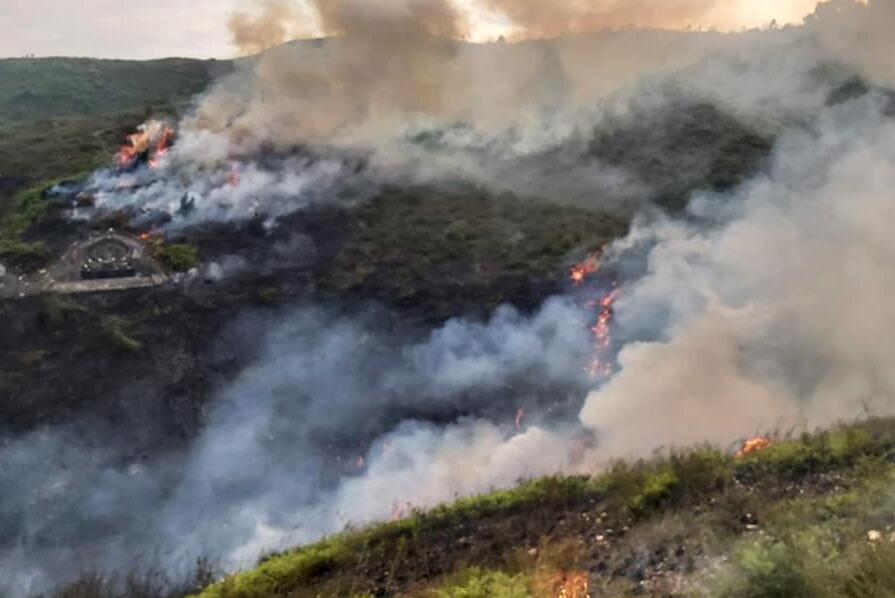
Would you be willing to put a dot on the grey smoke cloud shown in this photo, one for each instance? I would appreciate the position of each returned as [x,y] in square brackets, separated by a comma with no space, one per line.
[276,463]
[775,319]
[416,106]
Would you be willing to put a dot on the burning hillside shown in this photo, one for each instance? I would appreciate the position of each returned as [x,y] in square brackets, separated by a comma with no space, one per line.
[740,163]
[149,144]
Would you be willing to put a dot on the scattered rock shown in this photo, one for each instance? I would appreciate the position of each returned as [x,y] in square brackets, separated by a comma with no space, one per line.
[874,536]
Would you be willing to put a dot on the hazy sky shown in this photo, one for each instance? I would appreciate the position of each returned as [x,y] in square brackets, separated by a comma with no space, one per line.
[157,28]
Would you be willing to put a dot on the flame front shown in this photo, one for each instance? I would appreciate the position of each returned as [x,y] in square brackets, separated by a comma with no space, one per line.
[600,366]
[152,141]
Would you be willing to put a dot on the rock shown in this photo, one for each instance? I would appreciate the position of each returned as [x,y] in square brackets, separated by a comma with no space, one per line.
[874,536]
[533,552]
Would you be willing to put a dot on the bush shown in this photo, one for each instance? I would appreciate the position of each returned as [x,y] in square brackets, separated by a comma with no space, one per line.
[478,584]
[26,257]
[118,331]
[179,257]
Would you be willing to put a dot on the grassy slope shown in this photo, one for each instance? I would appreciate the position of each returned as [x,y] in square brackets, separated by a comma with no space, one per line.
[789,521]
[57,115]
[421,249]
[61,117]
[41,89]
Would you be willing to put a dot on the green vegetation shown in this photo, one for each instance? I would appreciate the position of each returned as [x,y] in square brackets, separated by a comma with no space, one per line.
[443,250]
[26,209]
[819,546]
[41,89]
[60,116]
[65,117]
[478,584]
[698,148]
[178,257]
[118,330]
[57,307]
[813,498]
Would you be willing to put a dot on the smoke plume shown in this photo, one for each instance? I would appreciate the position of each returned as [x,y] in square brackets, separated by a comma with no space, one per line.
[333,409]
[543,20]
[782,319]
[272,26]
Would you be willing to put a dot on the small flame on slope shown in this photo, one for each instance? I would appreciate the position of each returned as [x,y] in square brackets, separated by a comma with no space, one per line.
[563,585]
[754,445]
[599,367]
[579,272]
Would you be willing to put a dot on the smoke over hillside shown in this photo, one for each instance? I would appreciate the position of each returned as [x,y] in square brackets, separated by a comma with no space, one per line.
[765,305]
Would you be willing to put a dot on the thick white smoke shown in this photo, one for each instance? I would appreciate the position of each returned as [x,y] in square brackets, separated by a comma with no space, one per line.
[777,318]
[278,462]
[292,126]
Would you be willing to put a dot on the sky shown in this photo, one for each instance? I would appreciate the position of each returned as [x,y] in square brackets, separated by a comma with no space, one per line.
[142,29]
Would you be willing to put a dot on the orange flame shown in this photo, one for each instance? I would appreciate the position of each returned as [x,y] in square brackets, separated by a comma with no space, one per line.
[563,585]
[152,140]
[149,236]
[579,272]
[602,334]
[754,445]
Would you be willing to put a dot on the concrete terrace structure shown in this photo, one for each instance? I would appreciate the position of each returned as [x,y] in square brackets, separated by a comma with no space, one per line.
[103,263]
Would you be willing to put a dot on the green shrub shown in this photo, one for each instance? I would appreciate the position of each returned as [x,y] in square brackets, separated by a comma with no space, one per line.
[26,257]
[656,488]
[797,565]
[56,307]
[478,584]
[179,257]
[869,570]
[118,331]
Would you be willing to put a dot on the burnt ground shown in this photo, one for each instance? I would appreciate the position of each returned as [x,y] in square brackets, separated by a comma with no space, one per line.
[62,355]
[154,357]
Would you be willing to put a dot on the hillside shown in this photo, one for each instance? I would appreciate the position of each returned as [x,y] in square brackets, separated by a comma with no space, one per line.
[807,517]
[338,334]
[60,116]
